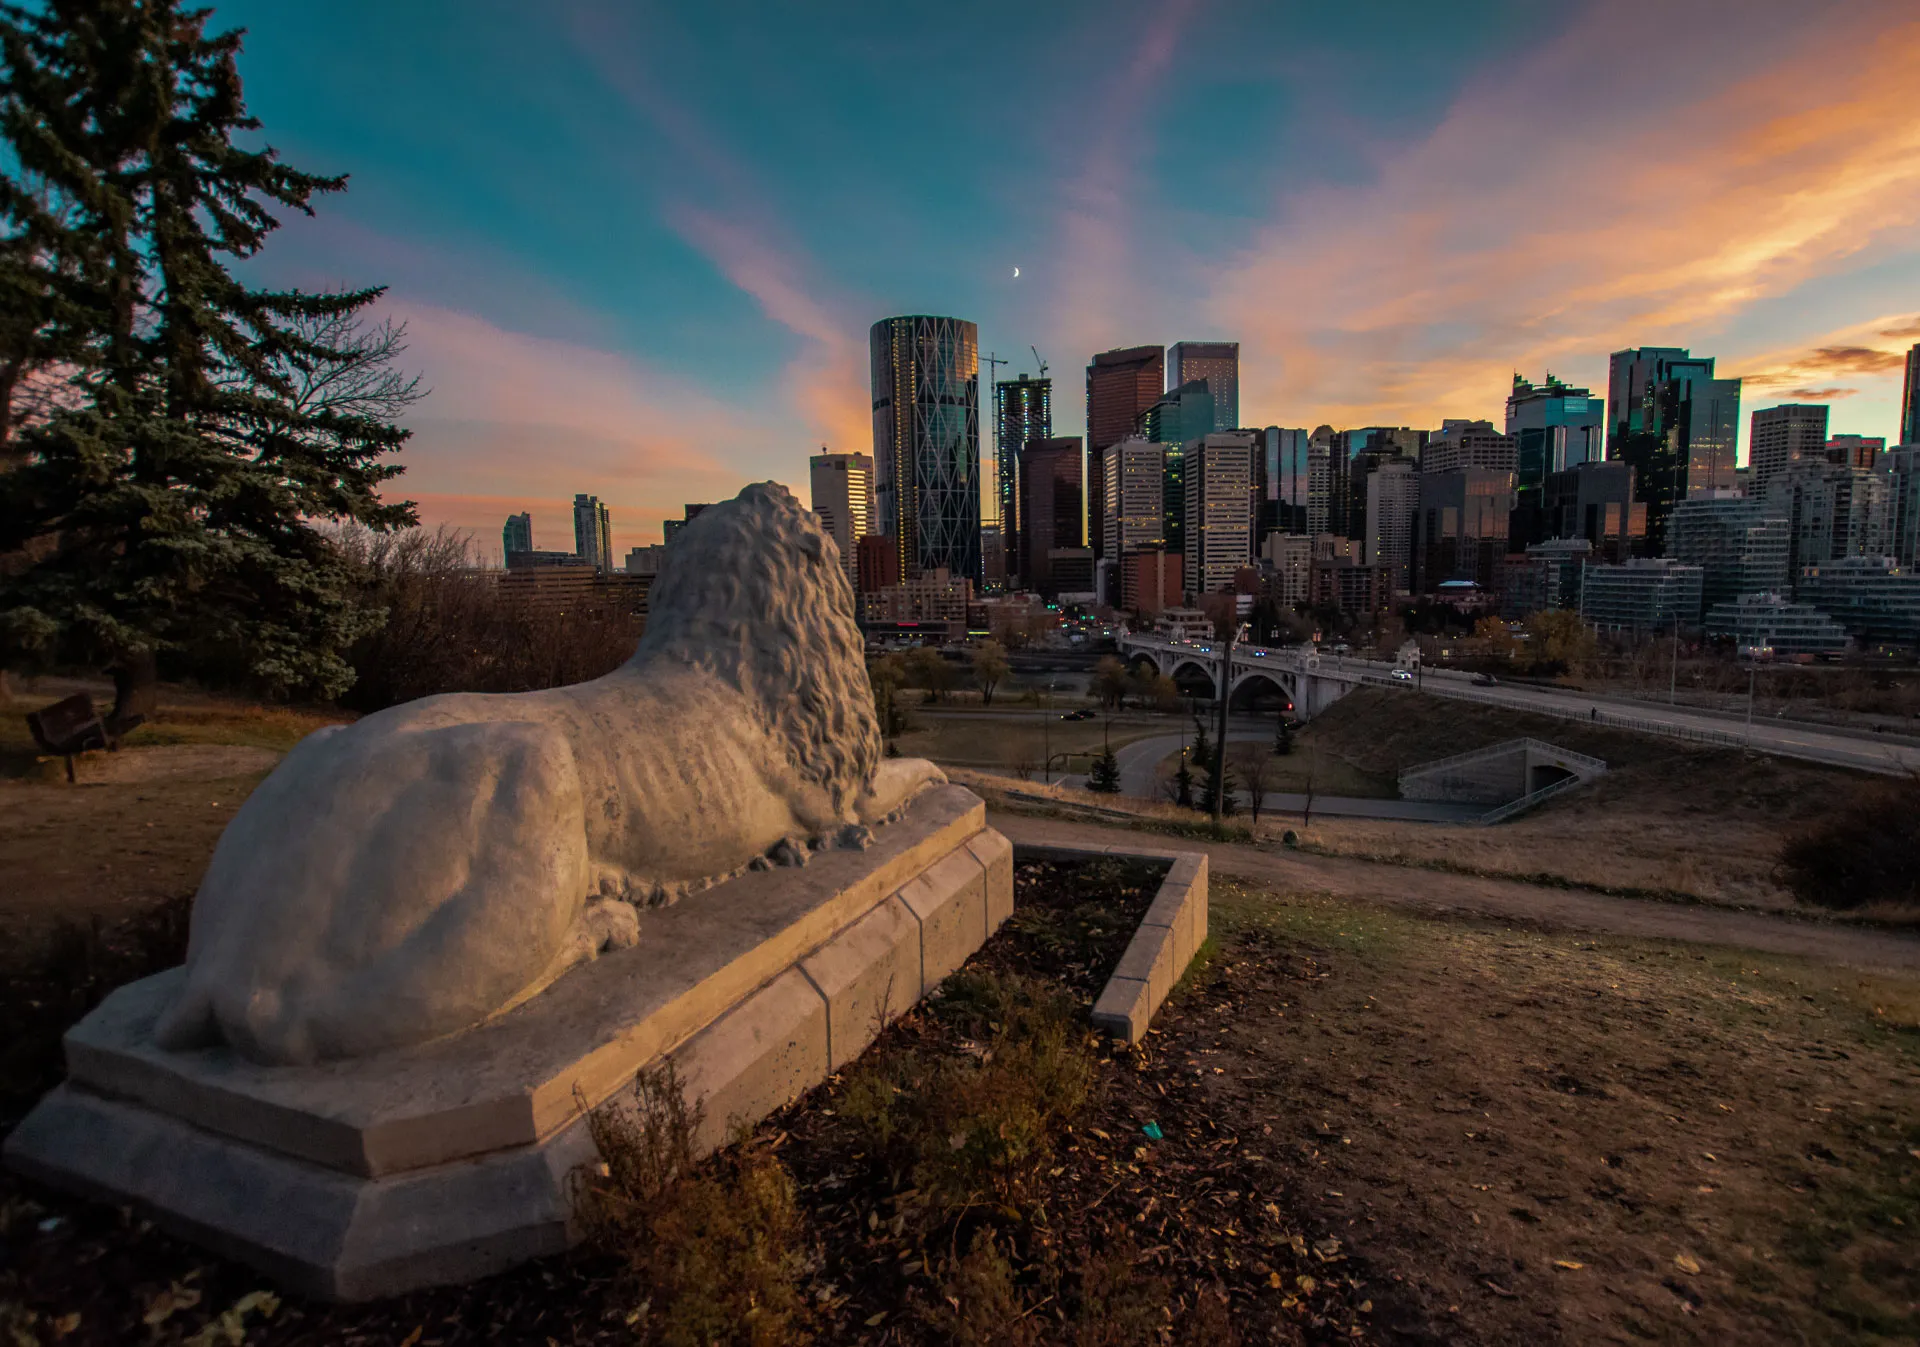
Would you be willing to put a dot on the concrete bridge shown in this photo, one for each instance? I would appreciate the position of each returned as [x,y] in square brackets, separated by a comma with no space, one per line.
[1311,682]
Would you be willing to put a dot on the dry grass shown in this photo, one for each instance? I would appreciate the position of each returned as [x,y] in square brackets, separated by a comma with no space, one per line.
[717,1251]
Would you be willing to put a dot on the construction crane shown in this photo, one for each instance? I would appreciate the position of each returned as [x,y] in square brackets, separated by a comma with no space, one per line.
[1038,361]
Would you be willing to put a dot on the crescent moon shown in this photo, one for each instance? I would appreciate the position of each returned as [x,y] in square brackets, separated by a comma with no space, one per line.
[1016,273]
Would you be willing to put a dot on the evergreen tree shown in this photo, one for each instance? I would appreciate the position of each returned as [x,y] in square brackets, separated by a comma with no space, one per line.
[1283,738]
[1183,784]
[168,509]
[1105,773]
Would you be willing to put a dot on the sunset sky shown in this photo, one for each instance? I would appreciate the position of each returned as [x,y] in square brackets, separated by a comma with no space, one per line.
[638,246]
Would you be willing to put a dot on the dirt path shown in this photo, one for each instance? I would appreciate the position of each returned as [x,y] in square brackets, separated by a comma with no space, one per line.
[1436,891]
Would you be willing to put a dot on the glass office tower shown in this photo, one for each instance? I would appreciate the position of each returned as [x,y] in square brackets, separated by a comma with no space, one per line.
[926,442]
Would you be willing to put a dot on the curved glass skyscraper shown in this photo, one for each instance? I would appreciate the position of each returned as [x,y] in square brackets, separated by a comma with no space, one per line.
[926,442]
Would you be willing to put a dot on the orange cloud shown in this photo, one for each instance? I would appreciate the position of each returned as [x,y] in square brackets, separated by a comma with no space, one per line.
[517,422]
[829,381]
[1573,207]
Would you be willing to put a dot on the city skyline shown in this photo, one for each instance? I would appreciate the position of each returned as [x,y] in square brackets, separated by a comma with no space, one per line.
[651,286]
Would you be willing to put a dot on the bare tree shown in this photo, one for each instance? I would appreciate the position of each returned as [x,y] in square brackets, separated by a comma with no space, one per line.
[1256,774]
[360,375]
[1313,770]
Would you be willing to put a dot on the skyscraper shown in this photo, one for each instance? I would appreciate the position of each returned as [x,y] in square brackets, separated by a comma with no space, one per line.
[1910,398]
[1856,451]
[1393,495]
[592,533]
[1180,417]
[1791,433]
[843,498]
[1292,484]
[1133,491]
[1675,423]
[1022,413]
[1554,427]
[1121,384]
[1215,364]
[926,441]
[1219,528]
[1460,529]
[517,536]
[1053,494]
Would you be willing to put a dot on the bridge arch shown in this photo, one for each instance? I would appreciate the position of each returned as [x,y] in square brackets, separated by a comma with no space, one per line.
[1193,675]
[1252,687]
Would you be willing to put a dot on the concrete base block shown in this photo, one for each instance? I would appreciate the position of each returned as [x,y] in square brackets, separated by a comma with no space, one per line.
[950,901]
[866,977]
[760,1056]
[451,1160]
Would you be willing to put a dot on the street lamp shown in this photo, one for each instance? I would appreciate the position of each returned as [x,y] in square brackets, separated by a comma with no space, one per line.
[1046,740]
[1219,773]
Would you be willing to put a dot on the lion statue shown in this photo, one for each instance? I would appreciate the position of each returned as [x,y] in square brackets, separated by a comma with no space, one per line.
[423,869]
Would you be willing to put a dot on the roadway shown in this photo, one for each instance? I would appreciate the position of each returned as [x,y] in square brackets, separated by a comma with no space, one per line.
[1767,734]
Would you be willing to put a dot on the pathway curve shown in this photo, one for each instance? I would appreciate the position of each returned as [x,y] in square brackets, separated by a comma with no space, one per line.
[1436,891]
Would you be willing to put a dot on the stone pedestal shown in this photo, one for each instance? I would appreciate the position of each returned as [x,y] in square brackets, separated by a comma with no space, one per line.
[449,1160]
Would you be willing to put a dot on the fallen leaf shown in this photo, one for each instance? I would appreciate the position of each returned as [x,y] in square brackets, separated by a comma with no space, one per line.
[163,1306]
[1568,1264]
[414,1336]
[1274,1281]
[66,1324]
[1686,1264]
[1306,1284]
[874,1321]
[1366,1307]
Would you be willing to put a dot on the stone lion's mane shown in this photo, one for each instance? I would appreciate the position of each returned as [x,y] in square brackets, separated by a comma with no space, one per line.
[752,591]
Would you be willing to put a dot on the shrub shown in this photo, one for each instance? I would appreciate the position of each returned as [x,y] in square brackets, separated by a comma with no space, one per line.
[718,1249]
[979,1128]
[1865,853]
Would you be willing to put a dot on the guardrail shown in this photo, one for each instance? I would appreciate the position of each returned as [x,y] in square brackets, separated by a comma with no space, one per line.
[1528,801]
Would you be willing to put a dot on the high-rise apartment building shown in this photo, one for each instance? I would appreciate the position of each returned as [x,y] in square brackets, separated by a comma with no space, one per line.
[1215,364]
[1469,444]
[1740,545]
[876,564]
[1362,464]
[670,528]
[1899,470]
[517,536]
[926,441]
[1052,504]
[1347,485]
[1833,511]
[1218,471]
[1120,386]
[1393,495]
[1460,528]
[1022,413]
[1133,514]
[1791,433]
[843,498]
[592,533]
[1910,398]
[1675,423]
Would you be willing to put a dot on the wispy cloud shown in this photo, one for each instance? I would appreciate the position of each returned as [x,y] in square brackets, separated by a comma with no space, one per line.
[1554,214]
[1098,298]
[721,208]
[522,422]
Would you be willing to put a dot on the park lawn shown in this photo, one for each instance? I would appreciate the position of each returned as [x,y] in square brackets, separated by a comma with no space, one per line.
[1006,745]
[1328,773]
[1528,1136]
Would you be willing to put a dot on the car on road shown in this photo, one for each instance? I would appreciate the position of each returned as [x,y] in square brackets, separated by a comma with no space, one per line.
[1401,676]
[1485,680]
[1084,713]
